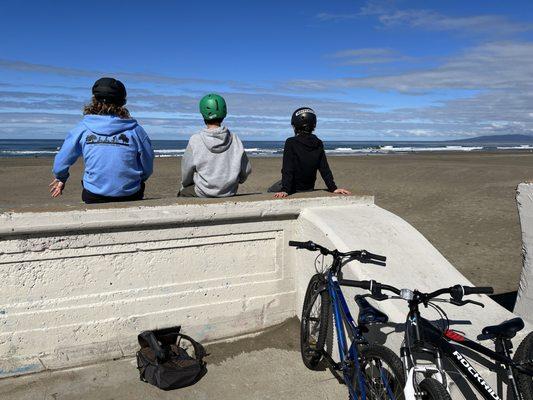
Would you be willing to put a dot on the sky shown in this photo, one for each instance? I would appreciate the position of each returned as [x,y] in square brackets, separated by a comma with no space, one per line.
[371,69]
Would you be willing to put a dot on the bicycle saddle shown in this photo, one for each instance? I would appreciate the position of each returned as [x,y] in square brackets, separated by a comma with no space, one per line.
[505,330]
[369,314]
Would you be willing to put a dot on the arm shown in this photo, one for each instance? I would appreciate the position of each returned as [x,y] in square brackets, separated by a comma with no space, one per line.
[246,168]
[146,154]
[326,173]
[287,169]
[187,167]
[68,154]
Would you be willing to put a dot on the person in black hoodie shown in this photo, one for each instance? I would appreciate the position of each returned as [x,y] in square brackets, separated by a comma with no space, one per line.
[303,156]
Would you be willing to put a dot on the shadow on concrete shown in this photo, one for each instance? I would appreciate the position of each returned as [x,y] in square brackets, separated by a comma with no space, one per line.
[506,300]
[263,366]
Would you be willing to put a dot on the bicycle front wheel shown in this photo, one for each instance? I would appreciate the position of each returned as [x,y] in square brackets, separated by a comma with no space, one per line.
[432,389]
[383,373]
[314,322]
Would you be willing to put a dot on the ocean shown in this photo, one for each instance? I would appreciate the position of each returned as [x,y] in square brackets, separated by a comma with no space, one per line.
[176,148]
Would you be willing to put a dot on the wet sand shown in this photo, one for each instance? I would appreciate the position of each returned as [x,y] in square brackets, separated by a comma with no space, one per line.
[463,203]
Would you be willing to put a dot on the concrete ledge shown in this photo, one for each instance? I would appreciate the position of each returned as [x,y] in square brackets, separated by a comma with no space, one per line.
[78,286]
[30,223]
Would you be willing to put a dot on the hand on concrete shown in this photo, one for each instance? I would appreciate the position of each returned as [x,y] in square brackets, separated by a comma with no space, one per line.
[342,191]
[280,195]
[56,188]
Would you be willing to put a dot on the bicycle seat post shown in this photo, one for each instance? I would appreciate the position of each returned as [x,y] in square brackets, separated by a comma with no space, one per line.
[504,346]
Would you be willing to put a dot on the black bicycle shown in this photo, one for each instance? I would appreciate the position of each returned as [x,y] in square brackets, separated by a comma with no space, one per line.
[370,371]
[423,337]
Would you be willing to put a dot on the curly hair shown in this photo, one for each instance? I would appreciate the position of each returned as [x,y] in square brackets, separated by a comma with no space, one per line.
[96,107]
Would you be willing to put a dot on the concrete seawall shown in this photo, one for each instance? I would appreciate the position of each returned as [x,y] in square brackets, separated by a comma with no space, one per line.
[524,200]
[77,287]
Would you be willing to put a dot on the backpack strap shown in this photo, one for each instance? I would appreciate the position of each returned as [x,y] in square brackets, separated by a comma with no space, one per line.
[149,340]
[199,350]
[141,368]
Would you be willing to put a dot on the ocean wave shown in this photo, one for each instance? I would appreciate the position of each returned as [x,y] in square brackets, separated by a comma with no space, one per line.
[520,147]
[437,148]
[169,152]
[393,149]
[273,151]
[349,150]
[27,152]
[256,151]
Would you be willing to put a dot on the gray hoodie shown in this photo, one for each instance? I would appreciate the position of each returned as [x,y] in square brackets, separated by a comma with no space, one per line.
[215,162]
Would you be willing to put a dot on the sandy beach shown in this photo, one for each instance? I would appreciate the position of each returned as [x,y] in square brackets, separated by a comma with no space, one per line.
[463,203]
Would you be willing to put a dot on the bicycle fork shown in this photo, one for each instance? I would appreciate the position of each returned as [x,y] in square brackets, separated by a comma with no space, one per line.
[412,370]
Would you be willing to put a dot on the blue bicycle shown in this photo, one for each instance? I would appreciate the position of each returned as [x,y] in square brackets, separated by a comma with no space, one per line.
[370,371]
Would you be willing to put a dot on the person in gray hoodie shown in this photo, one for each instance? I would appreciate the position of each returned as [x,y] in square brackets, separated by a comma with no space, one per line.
[214,162]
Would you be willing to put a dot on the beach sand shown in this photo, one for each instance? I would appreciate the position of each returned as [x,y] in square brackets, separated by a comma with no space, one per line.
[463,203]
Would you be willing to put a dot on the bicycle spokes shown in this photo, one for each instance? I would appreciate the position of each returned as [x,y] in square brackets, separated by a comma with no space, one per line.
[379,382]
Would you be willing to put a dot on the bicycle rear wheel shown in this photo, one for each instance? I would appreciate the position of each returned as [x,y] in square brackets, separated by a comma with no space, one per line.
[383,373]
[314,322]
[524,354]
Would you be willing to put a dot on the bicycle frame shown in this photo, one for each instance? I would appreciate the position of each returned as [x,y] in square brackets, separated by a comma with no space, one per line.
[344,322]
[426,332]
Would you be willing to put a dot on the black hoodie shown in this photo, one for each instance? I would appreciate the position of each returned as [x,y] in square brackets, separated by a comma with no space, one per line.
[303,156]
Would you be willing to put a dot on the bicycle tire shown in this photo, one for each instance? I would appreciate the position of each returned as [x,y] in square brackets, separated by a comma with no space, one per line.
[524,353]
[312,347]
[373,356]
[432,389]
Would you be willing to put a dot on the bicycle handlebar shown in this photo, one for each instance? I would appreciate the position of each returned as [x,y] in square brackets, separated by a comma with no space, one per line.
[359,254]
[456,292]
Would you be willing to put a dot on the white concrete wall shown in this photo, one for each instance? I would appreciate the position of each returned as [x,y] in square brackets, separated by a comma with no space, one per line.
[524,200]
[77,287]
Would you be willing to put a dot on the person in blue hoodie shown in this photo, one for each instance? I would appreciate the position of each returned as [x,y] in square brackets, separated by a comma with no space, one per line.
[117,152]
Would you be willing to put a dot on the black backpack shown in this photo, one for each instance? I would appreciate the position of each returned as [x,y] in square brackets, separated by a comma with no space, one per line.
[162,362]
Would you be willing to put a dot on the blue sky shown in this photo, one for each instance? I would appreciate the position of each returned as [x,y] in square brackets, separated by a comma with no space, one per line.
[373,70]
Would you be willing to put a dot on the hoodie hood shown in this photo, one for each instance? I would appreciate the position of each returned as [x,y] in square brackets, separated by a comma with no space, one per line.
[108,124]
[217,140]
[310,141]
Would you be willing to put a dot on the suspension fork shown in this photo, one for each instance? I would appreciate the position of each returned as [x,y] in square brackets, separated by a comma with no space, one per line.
[416,326]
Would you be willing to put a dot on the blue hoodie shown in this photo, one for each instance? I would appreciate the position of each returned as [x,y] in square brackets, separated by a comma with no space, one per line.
[117,153]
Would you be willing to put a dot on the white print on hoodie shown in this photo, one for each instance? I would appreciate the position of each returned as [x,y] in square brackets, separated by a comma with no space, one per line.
[215,162]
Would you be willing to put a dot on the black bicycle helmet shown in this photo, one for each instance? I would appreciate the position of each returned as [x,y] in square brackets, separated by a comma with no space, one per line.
[304,119]
[110,90]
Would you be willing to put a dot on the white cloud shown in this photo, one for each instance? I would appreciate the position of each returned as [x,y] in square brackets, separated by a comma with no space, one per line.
[433,21]
[499,65]
[336,17]
[389,15]
[368,56]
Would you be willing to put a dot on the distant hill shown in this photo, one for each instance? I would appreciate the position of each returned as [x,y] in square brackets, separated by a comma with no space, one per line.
[519,139]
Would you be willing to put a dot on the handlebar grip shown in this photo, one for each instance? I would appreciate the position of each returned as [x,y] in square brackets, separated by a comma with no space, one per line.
[478,290]
[363,285]
[377,257]
[294,243]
